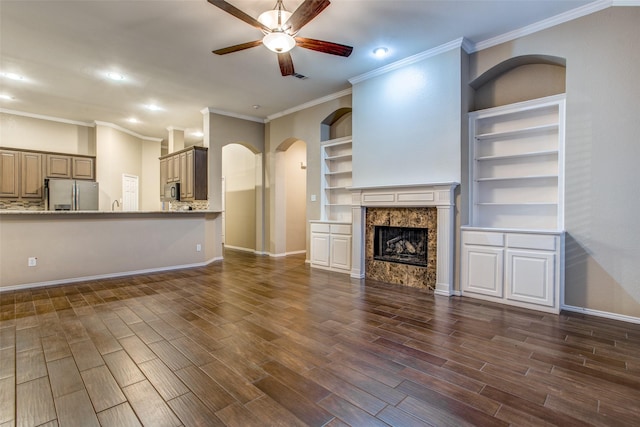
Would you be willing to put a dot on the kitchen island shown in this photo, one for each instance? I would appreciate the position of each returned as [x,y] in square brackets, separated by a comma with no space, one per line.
[73,246]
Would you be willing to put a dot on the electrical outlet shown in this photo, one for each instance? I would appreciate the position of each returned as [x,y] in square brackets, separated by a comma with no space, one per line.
[198,247]
[32,261]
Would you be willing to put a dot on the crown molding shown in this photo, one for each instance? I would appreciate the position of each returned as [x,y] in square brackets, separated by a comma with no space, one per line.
[49,118]
[172,128]
[454,44]
[309,104]
[570,15]
[208,110]
[625,3]
[127,131]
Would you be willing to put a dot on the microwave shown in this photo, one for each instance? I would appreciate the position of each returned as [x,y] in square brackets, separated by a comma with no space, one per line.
[171,192]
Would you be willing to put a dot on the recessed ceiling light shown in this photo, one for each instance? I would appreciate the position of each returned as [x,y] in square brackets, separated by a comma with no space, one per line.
[3,96]
[198,134]
[255,107]
[380,52]
[115,76]
[133,120]
[153,107]
[13,76]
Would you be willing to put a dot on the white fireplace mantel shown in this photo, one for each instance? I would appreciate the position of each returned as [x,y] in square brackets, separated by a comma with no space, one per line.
[438,195]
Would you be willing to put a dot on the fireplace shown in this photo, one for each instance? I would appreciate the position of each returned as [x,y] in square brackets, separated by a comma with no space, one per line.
[404,245]
[401,246]
[430,207]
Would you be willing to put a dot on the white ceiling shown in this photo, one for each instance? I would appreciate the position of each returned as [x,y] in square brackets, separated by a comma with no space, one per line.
[64,49]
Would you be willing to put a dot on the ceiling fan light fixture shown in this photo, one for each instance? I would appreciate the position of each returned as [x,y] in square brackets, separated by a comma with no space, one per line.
[274,19]
[279,42]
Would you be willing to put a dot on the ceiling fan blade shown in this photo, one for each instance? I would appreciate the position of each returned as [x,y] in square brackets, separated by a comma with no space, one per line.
[232,10]
[286,64]
[324,47]
[308,10]
[237,47]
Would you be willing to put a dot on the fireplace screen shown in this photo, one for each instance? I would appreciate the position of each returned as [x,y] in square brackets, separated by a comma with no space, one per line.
[404,245]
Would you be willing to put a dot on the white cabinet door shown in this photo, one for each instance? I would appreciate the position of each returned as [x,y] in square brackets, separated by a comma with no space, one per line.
[341,252]
[320,249]
[531,276]
[482,270]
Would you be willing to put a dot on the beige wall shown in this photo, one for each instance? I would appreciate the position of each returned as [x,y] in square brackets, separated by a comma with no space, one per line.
[220,131]
[150,176]
[74,246]
[296,195]
[602,151]
[46,135]
[120,153]
[239,170]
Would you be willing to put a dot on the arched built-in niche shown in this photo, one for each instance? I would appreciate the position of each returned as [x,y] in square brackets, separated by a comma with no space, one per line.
[519,79]
[242,187]
[337,147]
[336,125]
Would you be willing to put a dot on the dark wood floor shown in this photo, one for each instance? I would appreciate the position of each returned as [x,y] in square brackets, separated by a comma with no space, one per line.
[256,341]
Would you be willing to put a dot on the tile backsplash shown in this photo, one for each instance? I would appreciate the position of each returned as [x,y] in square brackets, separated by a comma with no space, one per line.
[21,205]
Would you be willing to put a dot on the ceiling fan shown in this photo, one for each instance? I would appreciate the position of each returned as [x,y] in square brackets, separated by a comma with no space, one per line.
[280,28]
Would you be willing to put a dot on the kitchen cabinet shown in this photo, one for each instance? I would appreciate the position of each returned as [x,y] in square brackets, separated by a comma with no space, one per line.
[9,173]
[163,176]
[189,168]
[22,172]
[173,169]
[58,166]
[31,181]
[513,248]
[331,246]
[83,168]
[186,173]
[513,267]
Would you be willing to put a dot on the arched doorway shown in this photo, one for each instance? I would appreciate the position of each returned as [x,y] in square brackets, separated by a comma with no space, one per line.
[242,195]
[290,198]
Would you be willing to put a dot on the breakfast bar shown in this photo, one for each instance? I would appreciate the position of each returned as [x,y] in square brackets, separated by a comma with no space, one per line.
[41,248]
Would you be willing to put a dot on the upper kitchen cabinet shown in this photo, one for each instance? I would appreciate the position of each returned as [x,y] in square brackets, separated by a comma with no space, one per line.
[70,167]
[188,167]
[31,182]
[9,173]
[21,174]
[83,168]
[58,166]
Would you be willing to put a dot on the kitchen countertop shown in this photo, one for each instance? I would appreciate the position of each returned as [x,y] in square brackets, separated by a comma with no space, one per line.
[25,212]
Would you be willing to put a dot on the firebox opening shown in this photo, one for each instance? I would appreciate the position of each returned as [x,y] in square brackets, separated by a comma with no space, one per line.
[405,245]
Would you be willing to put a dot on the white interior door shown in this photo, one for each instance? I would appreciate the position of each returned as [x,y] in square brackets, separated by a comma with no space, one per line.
[129,192]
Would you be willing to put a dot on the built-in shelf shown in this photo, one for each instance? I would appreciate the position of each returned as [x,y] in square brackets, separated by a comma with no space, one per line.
[512,251]
[516,156]
[336,179]
[552,128]
[511,178]
[517,165]
[341,157]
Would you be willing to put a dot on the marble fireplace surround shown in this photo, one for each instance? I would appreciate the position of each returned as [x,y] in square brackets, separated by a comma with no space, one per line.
[438,195]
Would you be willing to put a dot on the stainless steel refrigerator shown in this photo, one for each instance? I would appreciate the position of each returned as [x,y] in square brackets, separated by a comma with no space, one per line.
[71,195]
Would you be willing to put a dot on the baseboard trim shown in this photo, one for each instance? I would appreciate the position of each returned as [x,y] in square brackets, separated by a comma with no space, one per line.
[598,313]
[241,249]
[105,276]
